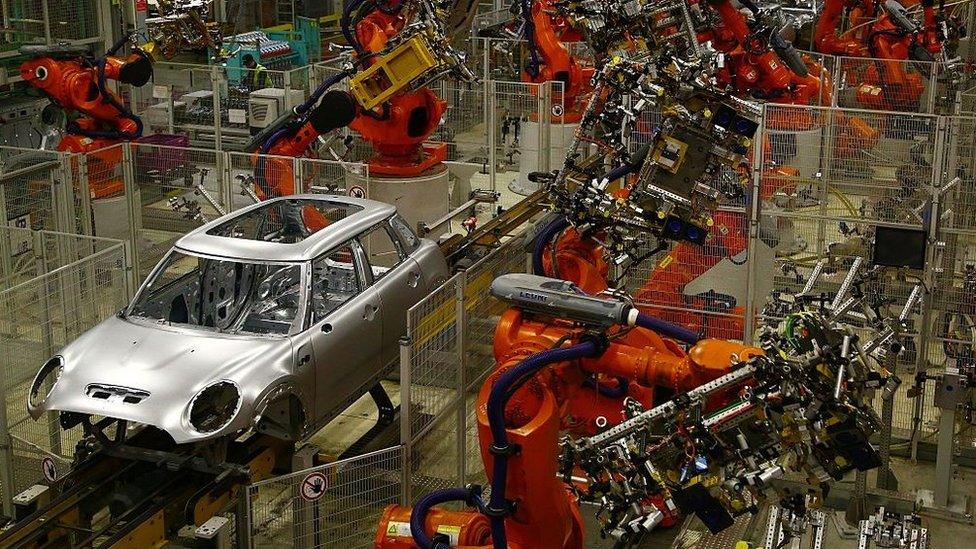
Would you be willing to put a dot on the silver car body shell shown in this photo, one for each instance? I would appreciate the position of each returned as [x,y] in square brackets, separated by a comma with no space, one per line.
[173,363]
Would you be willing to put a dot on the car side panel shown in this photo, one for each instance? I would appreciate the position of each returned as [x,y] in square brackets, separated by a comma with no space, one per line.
[348,355]
[433,266]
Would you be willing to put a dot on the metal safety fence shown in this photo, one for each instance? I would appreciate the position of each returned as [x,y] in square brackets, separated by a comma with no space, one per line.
[336,505]
[217,107]
[46,22]
[823,185]
[445,357]
[150,195]
[68,284]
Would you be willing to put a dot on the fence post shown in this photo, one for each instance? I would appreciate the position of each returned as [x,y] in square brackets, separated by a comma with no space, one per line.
[6,257]
[83,189]
[754,212]
[225,185]
[836,80]
[545,126]
[134,205]
[6,451]
[62,202]
[491,117]
[461,323]
[826,169]
[217,99]
[244,538]
[406,493]
[298,174]
[45,324]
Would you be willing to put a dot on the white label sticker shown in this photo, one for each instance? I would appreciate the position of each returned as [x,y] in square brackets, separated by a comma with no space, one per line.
[237,116]
[161,92]
[398,529]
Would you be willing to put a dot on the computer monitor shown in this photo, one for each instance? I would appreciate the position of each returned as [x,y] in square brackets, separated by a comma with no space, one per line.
[903,248]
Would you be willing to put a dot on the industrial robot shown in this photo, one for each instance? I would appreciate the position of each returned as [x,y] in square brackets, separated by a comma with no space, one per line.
[399,48]
[76,82]
[801,400]
[889,32]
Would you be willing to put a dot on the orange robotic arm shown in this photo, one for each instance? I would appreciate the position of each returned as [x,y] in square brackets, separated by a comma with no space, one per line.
[755,68]
[398,132]
[549,58]
[827,37]
[544,513]
[78,84]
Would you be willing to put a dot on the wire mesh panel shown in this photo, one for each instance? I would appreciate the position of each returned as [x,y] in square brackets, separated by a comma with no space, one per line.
[528,131]
[337,505]
[885,84]
[702,287]
[464,129]
[178,190]
[181,101]
[249,174]
[335,177]
[28,180]
[48,22]
[77,282]
[434,357]
[958,192]
[829,179]
[849,164]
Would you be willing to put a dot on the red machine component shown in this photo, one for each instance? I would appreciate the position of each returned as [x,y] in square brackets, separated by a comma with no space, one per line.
[546,514]
[398,133]
[76,83]
[461,527]
[685,263]
[752,68]
[548,34]
[850,43]
[579,260]
[883,32]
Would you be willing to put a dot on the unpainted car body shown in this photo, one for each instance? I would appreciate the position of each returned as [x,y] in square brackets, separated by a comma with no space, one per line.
[272,318]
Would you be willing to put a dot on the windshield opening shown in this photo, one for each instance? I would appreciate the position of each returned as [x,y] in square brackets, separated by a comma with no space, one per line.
[222,295]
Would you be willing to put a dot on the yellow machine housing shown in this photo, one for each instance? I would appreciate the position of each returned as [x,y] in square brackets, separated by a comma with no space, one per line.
[392,72]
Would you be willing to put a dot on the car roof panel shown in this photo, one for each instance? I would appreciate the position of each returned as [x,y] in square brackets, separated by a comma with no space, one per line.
[201,242]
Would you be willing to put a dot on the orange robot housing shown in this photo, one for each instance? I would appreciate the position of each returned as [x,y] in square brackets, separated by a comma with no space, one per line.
[557,400]
[77,85]
[399,131]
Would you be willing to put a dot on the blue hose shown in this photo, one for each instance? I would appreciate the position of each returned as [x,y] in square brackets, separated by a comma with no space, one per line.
[320,91]
[501,391]
[667,329]
[418,516]
[543,239]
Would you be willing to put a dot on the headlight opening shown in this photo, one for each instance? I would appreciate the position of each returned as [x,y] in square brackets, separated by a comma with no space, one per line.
[214,407]
[45,380]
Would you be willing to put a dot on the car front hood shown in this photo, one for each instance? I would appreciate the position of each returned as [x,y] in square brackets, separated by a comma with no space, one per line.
[171,364]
